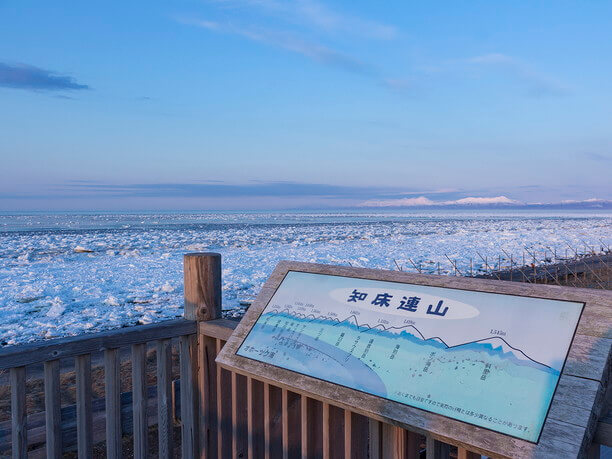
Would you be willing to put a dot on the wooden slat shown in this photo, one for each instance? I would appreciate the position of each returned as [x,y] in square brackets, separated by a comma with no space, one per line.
[224,410]
[413,445]
[207,386]
[359,436]
[375,439]
[189,401]
[218,328]
[275,442]
[314,429]
[336,432]
[53,406]
[285,422]
[326,439]
[18,412]
[164,398]
[437,449]
[255,418]
[42,351]
[112,388]
[82,366]
[139,399]
[267,421]
[291,417]
[239,416]
[393,442]
[348,434]
[304,425]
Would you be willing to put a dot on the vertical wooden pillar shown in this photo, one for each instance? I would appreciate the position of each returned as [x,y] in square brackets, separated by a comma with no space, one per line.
[202,285]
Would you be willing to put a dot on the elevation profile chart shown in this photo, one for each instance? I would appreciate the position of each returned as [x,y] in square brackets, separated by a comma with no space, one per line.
[487,359]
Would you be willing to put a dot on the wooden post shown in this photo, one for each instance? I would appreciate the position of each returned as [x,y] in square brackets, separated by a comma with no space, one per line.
[202,278]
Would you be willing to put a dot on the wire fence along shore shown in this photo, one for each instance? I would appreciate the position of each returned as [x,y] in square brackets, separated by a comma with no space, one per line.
[585,267]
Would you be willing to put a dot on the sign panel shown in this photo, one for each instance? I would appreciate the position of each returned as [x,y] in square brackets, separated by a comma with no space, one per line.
[491,360]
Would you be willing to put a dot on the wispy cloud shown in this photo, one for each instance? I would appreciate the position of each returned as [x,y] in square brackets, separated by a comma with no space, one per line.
[289,42]
[84,189]
[28,77]
[317,16]
[538,84]
[219,190]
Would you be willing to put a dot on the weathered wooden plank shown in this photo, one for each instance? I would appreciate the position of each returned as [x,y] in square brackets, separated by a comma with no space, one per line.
[164,399]
[26,354]
[348,434]
[218,328]
[112,388]
[436,449]
[53,406]
[315,428]
[255,421]
[207,386]
[239,416]
[224,410]
[285,422]
[267,421]
[189,399]
[575,391]
[139,397]
[413,445]
[587,357]
[359,436]
[375,438]
[291,406]
[393,442]
[399,443]
[275,442]
[19,432]
[336,432]
[82,367]
[304,426]
[326,434]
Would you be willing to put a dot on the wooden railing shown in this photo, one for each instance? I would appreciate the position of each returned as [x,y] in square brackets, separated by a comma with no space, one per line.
[88,421]
[221,414]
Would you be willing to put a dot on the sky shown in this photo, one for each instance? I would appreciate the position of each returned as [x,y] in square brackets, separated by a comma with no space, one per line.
[247,104]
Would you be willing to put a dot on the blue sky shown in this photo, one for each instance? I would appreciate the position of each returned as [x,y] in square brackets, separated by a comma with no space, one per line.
[306,103]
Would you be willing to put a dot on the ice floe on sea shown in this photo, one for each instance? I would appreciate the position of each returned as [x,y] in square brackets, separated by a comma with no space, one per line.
[66,274]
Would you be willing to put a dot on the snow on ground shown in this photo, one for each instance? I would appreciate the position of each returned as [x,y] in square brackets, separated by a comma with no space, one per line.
[67,274]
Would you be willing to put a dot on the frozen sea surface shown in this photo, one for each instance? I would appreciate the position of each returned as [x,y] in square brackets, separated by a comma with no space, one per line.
[65,274]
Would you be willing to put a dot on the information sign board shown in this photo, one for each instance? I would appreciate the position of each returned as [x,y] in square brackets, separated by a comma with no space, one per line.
[482,356]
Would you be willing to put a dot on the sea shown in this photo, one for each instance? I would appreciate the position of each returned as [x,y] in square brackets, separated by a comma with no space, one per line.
[68,273]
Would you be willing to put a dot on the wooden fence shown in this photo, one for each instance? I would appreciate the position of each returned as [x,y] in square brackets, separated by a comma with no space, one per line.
[221,414]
